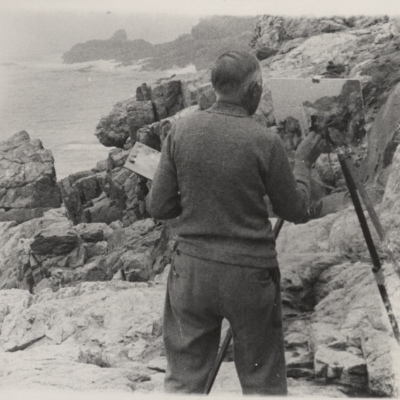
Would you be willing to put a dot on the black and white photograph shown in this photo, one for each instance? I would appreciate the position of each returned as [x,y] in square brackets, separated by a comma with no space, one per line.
[199,198]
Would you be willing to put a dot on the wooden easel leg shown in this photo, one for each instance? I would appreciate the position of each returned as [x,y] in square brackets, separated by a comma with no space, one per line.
[378,274]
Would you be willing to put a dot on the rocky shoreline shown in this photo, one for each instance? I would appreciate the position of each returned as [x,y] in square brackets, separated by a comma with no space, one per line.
[83,266]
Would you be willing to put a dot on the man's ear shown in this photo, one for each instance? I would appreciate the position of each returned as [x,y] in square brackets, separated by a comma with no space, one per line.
[254,89]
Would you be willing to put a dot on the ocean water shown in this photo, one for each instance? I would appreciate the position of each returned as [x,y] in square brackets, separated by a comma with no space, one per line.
[62,104]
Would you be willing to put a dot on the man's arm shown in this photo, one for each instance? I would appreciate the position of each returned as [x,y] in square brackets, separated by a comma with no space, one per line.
[289,191]
[163,201]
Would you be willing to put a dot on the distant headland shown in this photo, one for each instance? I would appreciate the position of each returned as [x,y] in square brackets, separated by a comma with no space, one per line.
[209,38]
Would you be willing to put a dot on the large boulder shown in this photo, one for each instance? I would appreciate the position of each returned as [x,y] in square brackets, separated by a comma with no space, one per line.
[150,105]
[78,192]
[28,182]
[167,98]
[123,121]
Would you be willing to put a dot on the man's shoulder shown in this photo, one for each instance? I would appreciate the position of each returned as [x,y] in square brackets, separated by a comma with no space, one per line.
[265,133]
[187,117]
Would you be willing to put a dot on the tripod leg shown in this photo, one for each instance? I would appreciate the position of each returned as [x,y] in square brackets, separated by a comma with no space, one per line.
[378,275]
[364,196]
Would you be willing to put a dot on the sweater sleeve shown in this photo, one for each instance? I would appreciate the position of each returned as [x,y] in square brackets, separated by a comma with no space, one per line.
[288,191]
[163,201]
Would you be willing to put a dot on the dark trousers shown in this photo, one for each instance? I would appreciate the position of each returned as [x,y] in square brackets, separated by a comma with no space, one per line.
[200,293]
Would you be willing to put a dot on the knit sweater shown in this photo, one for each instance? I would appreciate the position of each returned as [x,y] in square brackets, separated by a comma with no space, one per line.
[216,167]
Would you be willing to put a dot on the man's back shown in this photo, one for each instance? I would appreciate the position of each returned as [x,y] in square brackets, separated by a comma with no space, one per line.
[225,164]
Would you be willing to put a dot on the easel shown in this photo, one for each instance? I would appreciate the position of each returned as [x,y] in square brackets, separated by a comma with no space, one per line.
[354,185]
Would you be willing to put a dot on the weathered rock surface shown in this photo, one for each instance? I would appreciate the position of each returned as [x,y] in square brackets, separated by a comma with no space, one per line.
[115,193]
[28,182]
[51,252]
[300,49]
[383,140]
[92,336]
[15,248]
[123,122]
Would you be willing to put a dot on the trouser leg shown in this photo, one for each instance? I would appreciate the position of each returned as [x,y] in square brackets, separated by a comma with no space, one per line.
[191,325]
[256,323]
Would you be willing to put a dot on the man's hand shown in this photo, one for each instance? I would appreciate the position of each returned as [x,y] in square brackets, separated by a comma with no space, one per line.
[309,149]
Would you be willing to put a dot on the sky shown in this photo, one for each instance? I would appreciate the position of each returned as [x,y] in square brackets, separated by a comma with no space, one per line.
[213,7]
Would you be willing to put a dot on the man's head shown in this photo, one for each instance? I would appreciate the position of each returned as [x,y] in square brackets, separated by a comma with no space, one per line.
[236,75]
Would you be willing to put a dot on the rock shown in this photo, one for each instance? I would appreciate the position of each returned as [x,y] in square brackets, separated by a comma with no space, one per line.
[94,232]
[395,26]
[332,364]
[131,234]
[22,214]
[167,99]
[384,138]
[13,301]
[192,88]
[137,251]
[119,35]
[78,190]
[381,354]
[15,269]
[28,185]
[384,36]
[299,274]
[222,26]
[153,135]
[117,158]
[351,307]
[103,209]
[123,122]
[272,31]
[56,240]
[61,254]
[135,266]
[116,48]
[264,53]
[86,197]
[143,93]
[127,192]
[103,323]
[306,238]
[96,249]
[209,38]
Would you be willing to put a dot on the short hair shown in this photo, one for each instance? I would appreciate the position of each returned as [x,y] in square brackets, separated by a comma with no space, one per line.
[232,69]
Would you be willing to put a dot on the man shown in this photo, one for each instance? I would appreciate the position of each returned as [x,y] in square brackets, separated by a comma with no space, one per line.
[216,167]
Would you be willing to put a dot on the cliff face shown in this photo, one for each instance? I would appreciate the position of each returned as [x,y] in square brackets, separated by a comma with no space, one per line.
[360,48]
[207,40]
